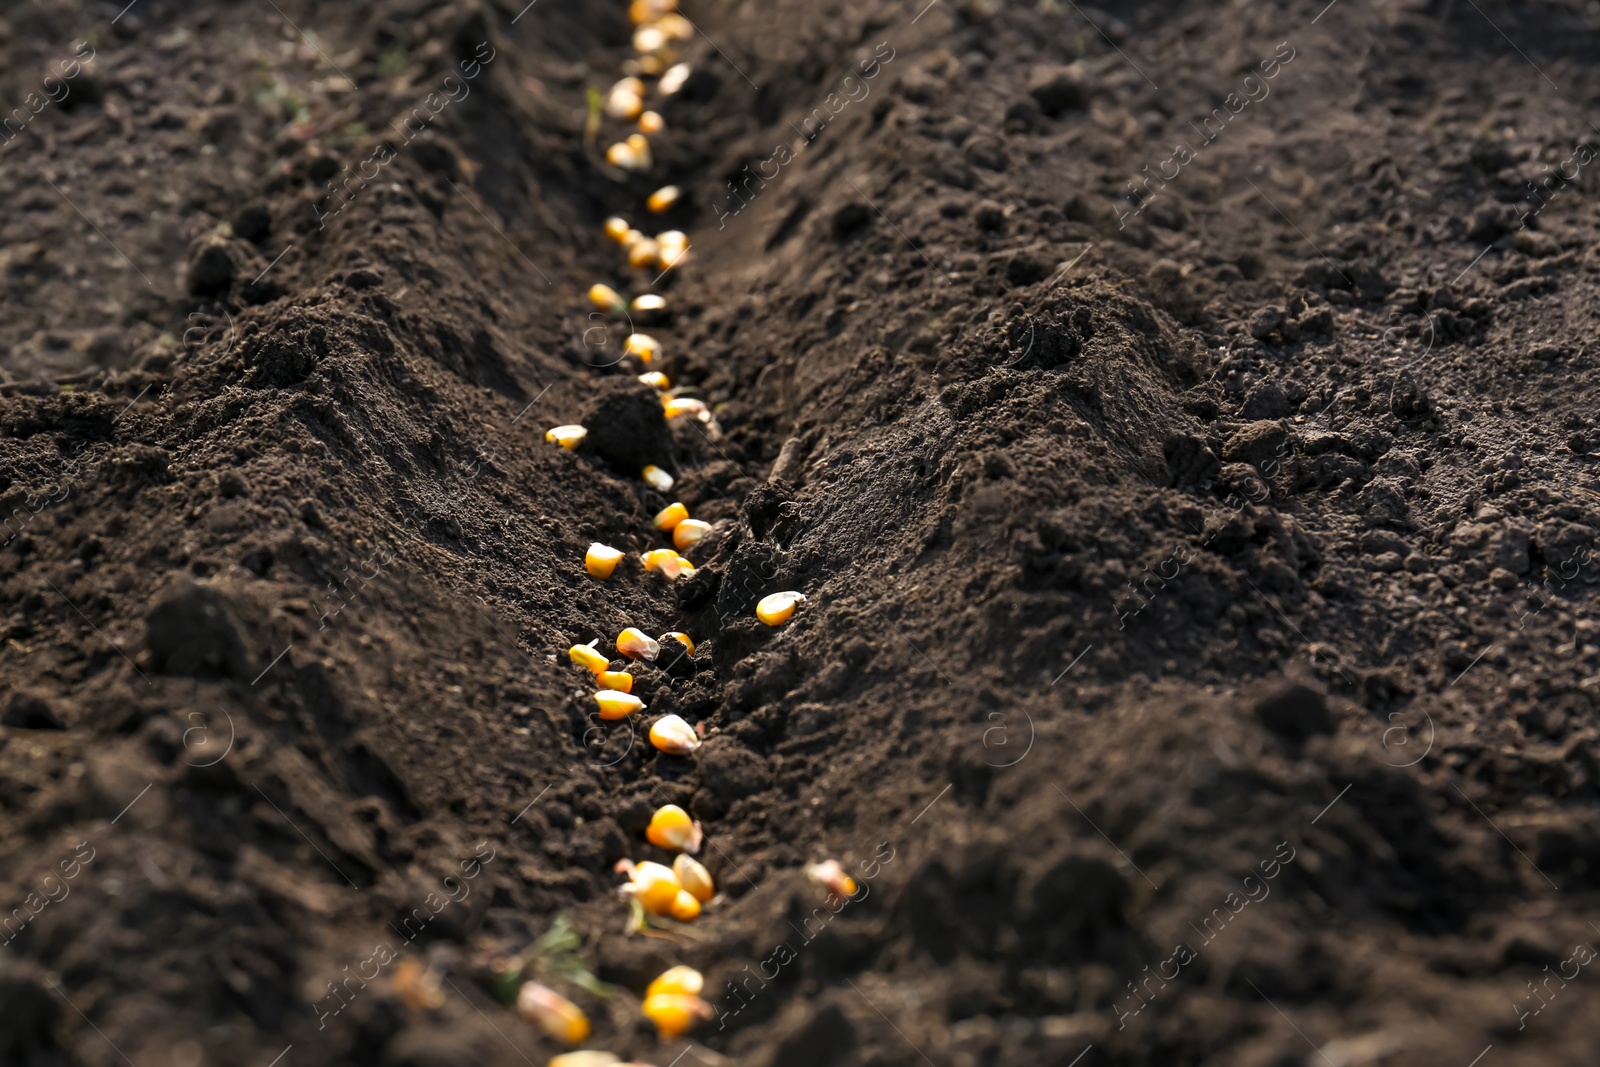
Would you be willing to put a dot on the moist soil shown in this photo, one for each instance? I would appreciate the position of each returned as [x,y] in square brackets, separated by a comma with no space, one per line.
[1179,416]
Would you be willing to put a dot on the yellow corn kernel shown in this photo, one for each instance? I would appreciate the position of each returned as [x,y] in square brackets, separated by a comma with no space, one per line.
[674,736]
[642,11]
[652,884]
[666,562]
[626,99]
[624,105]
[643,254]
[685,568]
[830,874]
[615,705]
[417,986]
[673,1013]
[686,405]
[620,155]
[668,517]
[606,298]
[586,1058]
[776,608]
[689,533]
[662,199]
[674,25]
[586,656]
[552,1013]
[672,247]
[652,65]
[681,638]
[568,437]
[651,123]
[680,981]
[685,906]
[650,302]
[670,827]
[631,238]
[601,560]
[656,380]
[694,878]
[636,644]
[621,681]
[617,228]
[656,478]
[642,346]
[630,154]
[673,79]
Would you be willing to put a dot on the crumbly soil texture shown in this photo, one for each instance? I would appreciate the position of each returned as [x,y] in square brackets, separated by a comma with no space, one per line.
[1179,416]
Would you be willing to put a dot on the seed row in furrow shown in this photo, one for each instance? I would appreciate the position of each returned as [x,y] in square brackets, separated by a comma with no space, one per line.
[654,891]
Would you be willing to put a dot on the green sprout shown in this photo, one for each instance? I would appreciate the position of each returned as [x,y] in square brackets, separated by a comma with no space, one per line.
[557,954]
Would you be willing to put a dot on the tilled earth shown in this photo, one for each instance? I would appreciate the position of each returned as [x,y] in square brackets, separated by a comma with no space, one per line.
[1179,416]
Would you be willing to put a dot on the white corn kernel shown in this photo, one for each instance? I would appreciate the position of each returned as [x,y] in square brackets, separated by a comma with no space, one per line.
[656,478]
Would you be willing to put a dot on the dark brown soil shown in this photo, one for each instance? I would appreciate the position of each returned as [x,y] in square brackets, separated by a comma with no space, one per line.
[1181,418]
